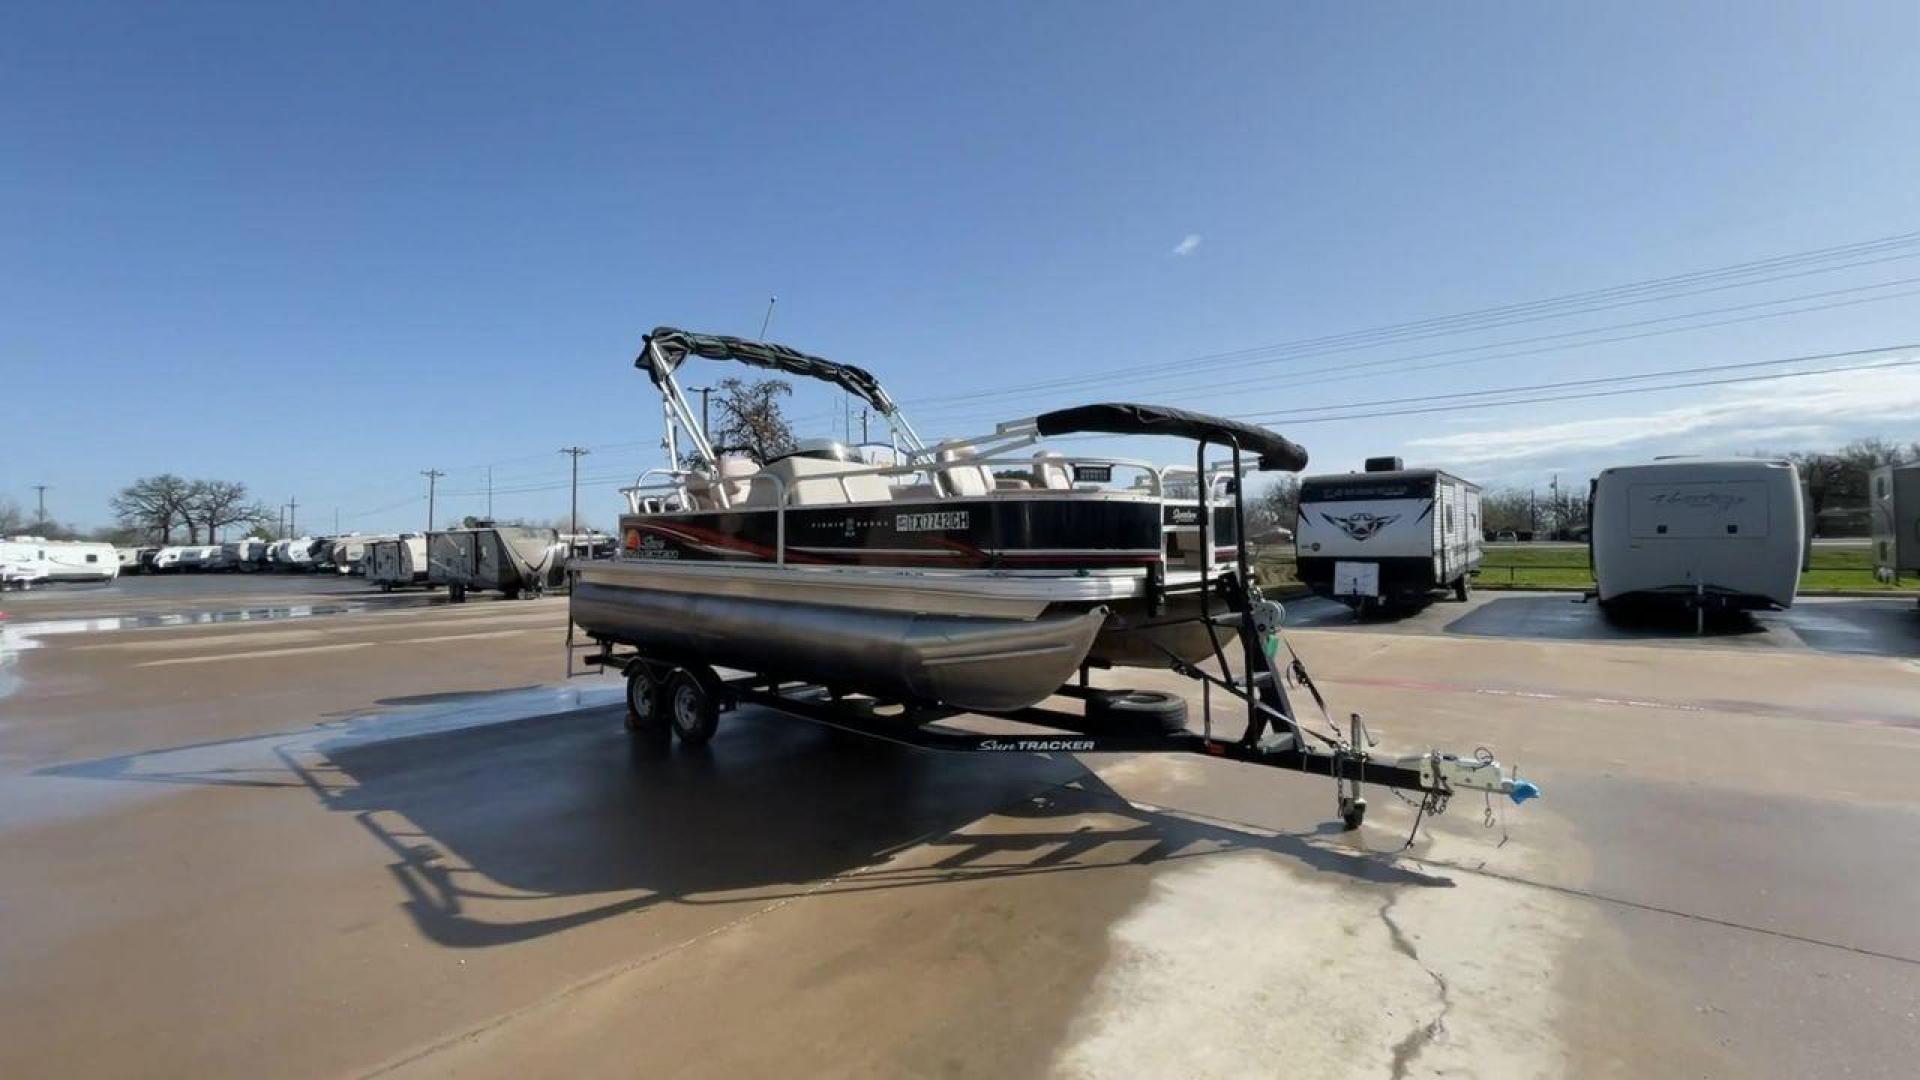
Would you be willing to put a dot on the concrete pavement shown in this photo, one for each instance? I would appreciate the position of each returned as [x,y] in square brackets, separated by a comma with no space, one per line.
[396,841]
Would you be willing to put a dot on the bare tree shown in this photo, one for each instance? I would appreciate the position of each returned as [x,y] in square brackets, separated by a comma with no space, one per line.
[217,504]
[154,504]
[1507,508]
[750,418]
[12,521]
[1277,507]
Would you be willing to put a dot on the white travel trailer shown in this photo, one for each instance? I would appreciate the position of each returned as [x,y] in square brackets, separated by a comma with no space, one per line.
[1893,496]
[23,561]
[244,555]
[78,560]
[348,554]
[26,560]
[295,554]
[1700,532]
[200,557]
[1389,536]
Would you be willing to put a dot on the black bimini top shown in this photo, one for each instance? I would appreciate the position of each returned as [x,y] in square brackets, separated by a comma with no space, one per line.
[674,346]
[1122,419]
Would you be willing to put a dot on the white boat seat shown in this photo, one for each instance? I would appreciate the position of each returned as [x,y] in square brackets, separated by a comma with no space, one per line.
[1051,471]
[818,482]
[736,471]
[964,480]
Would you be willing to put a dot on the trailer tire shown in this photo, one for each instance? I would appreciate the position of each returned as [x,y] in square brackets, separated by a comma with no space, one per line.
[1136,712]
[1463,589]
[456,594]
[692,708]
[644,714]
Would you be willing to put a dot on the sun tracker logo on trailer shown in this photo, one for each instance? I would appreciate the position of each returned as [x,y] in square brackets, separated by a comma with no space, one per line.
[1363,525]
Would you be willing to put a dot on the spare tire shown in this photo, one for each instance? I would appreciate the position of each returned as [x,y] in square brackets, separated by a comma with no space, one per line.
[1135,712]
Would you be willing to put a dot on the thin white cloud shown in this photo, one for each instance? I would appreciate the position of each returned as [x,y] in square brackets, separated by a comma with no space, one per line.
[1187,246]
[1766,415]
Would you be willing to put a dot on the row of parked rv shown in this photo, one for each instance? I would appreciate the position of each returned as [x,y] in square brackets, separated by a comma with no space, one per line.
[511,560]
[338,554]
[1704,533]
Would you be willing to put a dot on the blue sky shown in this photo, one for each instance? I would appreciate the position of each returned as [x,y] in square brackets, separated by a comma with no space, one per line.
[321,249]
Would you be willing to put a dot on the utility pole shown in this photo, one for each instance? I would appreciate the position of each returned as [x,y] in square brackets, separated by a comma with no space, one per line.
[864,413]
[433,476]
[280,530]
[489,493]
[293,509]
[41,491]
[706,420]
[575,452]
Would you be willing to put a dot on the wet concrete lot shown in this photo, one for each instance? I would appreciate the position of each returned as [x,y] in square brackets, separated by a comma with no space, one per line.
[358,834]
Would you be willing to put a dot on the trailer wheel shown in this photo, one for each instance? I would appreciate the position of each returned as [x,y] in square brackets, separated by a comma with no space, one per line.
[512,592]
[1136,712]
[643,700]
[691,708]
[1463,589]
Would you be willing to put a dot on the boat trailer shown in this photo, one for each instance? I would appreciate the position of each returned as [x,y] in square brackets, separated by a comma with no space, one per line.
[683,697]
[685,701]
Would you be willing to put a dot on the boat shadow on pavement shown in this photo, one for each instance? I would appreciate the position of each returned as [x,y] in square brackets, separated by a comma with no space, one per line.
[568,811]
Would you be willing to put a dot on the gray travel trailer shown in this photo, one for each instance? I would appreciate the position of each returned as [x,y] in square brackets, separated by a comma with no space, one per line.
[511,560]
[348,554]
[1702,533]
[1893,499]
[1388,537]
[397,562]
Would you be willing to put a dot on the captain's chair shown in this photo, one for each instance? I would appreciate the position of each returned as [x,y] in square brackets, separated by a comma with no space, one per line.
[1051,471]
[964,481]
[733,477]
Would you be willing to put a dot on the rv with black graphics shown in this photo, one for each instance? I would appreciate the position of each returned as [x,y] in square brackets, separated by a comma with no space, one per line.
[1699,532]
[1388,537]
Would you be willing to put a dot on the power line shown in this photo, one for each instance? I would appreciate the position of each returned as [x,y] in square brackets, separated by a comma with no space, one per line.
[1402,364]
[1619,392]
[1317,410]
[1487,318]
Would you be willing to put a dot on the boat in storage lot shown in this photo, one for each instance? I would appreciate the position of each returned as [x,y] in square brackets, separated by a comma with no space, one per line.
[1699,532]
[976,574]
[511,560]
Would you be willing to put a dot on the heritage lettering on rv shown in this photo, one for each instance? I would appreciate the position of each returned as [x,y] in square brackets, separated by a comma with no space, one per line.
[934,522]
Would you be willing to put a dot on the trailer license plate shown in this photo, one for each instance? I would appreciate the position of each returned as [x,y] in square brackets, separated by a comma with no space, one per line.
[1356,579]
